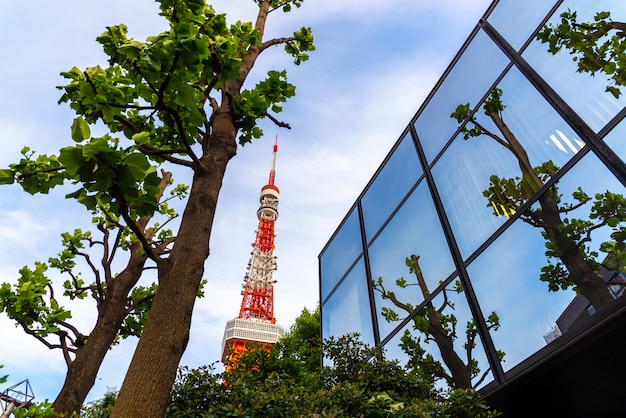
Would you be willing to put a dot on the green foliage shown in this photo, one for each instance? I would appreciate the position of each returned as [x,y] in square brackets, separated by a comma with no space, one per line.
[463,114]
[286,382]
[100,408]
[301,46]
[436,326]
[153,93]
[176,98]
[466,403]
[36,410]
[254,104]
[356,383]
[35,174]
[607,210]
[141,297]
[32,304]
[196,390]
[285,5]
[512,193]
[111,176]
[562,235]
[598,46]
[303,344]
[26,302]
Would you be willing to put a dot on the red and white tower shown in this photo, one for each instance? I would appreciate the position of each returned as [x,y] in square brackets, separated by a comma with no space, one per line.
[256,323]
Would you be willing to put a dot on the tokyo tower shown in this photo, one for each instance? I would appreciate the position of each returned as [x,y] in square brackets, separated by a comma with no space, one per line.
[256,323]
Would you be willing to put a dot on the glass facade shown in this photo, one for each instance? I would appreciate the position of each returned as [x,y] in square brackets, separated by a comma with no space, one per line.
[497,223]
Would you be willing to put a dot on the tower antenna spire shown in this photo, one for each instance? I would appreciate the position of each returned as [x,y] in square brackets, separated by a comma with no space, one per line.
[273,169]
[256,323]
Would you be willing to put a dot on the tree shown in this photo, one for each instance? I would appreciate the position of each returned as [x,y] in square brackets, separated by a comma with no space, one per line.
[433,324]
[299,351]
[356,381]
[303,343]
[177,99]
[598,46]
[571,262]
[121,305]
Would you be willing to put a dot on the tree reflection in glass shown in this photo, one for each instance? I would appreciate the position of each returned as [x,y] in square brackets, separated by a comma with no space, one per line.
[596,47]
[571,262]
[438,325]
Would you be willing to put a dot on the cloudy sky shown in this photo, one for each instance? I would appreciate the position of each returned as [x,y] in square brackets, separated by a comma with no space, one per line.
[374,65]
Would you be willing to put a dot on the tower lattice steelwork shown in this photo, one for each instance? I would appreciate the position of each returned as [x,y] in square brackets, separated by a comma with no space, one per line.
[256,323]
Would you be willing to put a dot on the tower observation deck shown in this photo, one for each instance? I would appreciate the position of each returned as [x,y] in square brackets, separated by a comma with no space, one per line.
[256,323]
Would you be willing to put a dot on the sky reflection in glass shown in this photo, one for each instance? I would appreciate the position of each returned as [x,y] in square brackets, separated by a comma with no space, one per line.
[415,229]
[516,20]
[506,275]
[481,63]
[464,171]
[341,253]
[391,185]
[583,92]
[462,314]
[348,310]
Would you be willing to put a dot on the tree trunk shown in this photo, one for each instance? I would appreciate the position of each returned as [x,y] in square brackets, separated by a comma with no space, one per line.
[580,273]
[591,286]
[152,371]
[83,370]
[112,311]
[461,373]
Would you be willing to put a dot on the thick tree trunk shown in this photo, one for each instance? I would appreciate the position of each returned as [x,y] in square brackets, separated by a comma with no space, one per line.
[146,387]
[152,371]
[83,370]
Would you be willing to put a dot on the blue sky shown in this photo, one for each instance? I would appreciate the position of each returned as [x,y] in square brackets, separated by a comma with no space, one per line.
[374,65]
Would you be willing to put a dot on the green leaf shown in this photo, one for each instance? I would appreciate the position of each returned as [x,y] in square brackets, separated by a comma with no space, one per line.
[139,166]
[614,91]
[141,138]
[80,129]
[72,159]
[97,146]
[7,176]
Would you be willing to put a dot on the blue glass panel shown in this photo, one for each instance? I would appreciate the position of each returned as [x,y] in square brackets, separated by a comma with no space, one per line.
[584,93]
[340,253]
[506,281]
[454,305]
[464,172]
[517,20]
[478,67]
[506,276]
[347,310]
[414,230]
[617,139]
[391,185]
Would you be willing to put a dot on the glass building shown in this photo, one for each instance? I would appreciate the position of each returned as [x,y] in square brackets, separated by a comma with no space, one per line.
[491,235]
